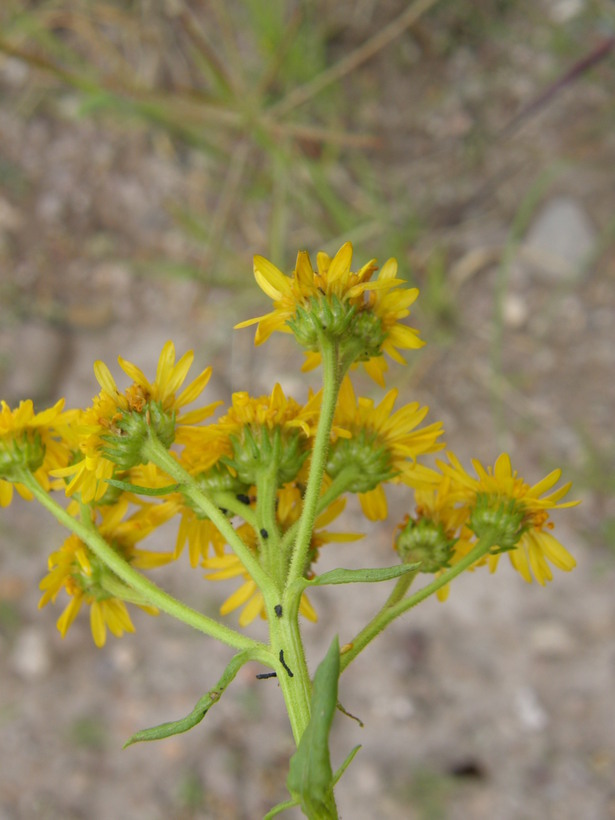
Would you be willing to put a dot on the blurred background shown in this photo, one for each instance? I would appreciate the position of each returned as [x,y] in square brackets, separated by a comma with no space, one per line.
[148,150]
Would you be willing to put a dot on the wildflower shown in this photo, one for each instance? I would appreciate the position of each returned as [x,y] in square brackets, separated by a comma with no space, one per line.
[431,534]
[500,498]
[383,446]
[112,431]
[30,440]
[75,569]
[267,428]
[363,315]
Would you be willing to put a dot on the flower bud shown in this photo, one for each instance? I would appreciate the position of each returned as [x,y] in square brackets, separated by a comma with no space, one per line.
[371,461]
[322,316]
[130,429]
[255,448]
[502,519]
[425,541]
[25,451]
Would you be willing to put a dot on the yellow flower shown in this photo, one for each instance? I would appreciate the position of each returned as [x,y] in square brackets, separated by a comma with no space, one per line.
[262,429]
[391,305]
[288,292]
[270,412]
[350,295]
[438,528]
[76,570]
[31,440]
[93,427]
[383,446]
[536,546]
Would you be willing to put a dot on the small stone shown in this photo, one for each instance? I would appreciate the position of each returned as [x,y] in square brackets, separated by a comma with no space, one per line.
[550,639]
[30,657]
[529,710]
[560,240]
[515,311]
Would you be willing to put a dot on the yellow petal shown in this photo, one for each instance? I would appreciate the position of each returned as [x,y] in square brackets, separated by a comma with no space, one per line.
[340,264]
[105,379]
[252,609]
[239,597]
[270,279]
[97,624]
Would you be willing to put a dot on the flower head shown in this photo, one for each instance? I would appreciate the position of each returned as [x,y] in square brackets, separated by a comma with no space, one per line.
[499,498]
[266,429]
[337,303]
[111,433]
[31,441]
[75,569]
[380,445]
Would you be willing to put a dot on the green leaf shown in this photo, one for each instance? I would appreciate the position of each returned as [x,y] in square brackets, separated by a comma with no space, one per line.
[345,764]
[134,488]
[288,804]
[363,576]
[310,779]
[174,727]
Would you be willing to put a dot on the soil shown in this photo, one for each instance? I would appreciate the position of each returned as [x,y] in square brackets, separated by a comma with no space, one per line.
[499,702]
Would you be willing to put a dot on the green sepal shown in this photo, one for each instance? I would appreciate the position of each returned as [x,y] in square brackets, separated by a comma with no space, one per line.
[137,490]
[310,778]
[369,575]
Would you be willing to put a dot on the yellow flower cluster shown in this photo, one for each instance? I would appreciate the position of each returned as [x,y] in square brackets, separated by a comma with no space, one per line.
[461,507]
[241,493]
[333,281]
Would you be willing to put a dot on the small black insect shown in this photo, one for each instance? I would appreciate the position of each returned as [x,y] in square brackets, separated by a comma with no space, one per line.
[264,533]
[278,610]
[266,675]
[244,499]
[283,662]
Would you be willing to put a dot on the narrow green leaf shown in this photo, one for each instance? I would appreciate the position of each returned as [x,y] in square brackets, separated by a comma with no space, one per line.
[310,779]
[288,804]
[363,576]
[345,764]
[174,727]
[135,488]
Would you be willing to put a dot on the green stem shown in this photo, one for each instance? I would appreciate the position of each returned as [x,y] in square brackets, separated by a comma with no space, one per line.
[267,525]
[402,586]
[229,501]
[287,645]
[154,451]
[394,607]
[331,385]
[143,586]
[338,487]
